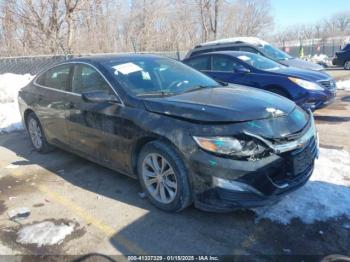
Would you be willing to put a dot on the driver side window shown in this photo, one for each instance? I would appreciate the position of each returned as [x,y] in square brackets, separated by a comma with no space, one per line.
[86,78]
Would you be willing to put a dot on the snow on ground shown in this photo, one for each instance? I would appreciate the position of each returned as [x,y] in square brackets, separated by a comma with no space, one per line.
[44,233]
[10,84]
[325,196]
[343,85]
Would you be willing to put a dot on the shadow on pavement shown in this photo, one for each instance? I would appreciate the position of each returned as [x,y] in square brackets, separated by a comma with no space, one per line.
[345,99]
[332,119]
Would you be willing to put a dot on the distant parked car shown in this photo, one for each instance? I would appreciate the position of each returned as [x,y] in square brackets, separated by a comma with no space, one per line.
[307,88]
[253,45]
[184,136]
[342,58]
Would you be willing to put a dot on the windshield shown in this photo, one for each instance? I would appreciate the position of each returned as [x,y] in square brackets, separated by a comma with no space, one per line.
[259,62]
[143,76]
[274,53]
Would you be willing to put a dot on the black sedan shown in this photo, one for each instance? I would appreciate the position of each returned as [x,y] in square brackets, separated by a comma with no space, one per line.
[184,136]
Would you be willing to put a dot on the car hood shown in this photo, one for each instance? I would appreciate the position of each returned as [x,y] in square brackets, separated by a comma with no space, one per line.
[222,104]
[296,62]
[308,75]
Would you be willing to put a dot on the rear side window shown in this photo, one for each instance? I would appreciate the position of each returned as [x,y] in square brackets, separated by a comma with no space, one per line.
[227,48]
[86,78]
[248,49]
[57,78]
[199,63]
[195,53]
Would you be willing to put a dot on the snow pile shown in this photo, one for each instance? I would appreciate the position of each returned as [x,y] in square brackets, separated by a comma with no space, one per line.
[343,85]
[10,84]
[320,59]
[325,196]
[44,233]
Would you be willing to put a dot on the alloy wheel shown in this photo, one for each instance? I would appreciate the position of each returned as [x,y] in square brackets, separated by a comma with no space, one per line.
[35,133]
[159,178]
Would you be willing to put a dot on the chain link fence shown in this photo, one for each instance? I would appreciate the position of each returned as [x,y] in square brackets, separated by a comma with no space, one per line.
[313,47]
[34,64]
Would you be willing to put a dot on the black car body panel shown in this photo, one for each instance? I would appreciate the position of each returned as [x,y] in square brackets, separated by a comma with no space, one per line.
[342,56]
[220,104]
[112,133]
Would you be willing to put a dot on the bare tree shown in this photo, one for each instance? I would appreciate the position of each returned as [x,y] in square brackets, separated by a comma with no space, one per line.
[209,11]
[252,17]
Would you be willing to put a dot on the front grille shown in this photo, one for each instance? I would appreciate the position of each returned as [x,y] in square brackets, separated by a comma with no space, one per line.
[299,159]
[328,84]
[299,162]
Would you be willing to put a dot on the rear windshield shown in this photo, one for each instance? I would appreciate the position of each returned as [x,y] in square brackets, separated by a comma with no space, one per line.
[274,53]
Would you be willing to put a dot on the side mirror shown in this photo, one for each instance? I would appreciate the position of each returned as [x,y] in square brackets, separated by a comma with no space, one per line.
[99,97]
[242,70]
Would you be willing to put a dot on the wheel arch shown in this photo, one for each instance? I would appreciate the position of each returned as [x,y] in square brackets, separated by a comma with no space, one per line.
[274,88]
[140,143]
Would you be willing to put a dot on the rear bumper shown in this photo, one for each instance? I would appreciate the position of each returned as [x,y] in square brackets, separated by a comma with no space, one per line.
[265,181]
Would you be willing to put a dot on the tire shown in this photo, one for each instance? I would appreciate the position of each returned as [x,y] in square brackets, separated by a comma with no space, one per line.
[174,197]
[347,65]
[36,134]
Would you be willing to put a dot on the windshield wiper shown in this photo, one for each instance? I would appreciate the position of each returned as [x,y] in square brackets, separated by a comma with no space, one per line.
[195,88]
[160,93]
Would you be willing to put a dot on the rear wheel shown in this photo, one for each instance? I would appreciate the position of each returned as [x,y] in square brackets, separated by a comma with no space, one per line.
[347,65]
[163,177]
[36,134]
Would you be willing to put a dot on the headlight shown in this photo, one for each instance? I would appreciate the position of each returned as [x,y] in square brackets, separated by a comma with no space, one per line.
[229,146]
[306,84]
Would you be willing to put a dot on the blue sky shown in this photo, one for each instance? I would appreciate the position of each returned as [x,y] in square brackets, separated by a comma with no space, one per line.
[291,12]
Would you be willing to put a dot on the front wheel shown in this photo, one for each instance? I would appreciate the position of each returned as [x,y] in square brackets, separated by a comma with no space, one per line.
[36,134]
[164,177]
[347,65]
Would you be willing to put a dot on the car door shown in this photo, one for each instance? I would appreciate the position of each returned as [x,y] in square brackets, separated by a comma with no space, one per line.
[51,90]
[92,125]
[227,69]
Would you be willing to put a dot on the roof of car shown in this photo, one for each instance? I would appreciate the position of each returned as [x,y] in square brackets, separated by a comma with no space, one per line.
[230,53]
[235,40]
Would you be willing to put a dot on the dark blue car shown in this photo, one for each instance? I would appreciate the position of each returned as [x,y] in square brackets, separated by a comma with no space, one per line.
[342,58]
[309,89]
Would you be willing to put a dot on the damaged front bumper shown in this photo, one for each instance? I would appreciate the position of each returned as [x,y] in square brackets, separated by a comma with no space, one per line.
[225,184]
